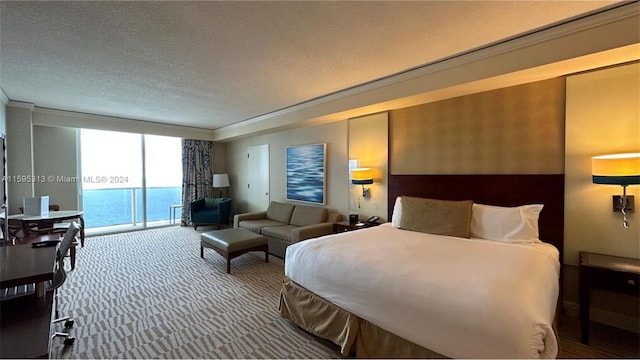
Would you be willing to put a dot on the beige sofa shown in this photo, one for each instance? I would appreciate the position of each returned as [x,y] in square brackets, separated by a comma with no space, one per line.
[284,224]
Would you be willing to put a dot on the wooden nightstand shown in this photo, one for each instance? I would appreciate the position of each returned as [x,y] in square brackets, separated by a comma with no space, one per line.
[345,226]
[605,272]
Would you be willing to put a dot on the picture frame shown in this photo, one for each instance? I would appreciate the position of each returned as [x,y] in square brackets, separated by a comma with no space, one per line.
[306,173]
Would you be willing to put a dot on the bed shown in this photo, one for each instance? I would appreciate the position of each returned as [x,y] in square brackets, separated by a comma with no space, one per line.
[396,291]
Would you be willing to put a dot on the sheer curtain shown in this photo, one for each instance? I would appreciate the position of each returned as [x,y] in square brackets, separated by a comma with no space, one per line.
[197,174]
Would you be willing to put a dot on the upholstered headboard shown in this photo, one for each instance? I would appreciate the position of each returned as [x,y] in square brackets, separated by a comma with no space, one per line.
[501,190]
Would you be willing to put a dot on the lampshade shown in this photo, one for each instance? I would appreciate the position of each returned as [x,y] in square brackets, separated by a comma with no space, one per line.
[616,169]
[361,176]
[220,180]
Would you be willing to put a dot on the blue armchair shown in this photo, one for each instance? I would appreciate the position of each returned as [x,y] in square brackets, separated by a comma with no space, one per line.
[210,211]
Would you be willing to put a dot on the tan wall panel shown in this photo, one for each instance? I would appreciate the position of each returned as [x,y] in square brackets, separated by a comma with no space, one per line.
[515,130]
[368,140]
[602,118]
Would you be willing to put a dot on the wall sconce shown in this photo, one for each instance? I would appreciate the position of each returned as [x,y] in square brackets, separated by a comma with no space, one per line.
[362,176]
[618,169]
[220,181]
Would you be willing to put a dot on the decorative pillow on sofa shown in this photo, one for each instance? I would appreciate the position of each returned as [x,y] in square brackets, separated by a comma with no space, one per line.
[507,224]
[279,212]
[440,217]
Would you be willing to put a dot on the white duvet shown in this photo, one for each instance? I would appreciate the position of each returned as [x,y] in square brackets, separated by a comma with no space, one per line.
[462,298]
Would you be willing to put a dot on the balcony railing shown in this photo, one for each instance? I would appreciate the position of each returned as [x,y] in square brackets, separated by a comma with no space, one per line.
[124,206]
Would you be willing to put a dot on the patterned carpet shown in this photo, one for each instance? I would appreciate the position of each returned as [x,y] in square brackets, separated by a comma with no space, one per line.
[148,294]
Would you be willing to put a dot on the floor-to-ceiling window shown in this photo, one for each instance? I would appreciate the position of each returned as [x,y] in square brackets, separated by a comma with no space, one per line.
[129,180]
[163,178]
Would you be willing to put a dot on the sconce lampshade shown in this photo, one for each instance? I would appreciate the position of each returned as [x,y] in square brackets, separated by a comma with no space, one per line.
[616,169]
[362,176]
[220,180]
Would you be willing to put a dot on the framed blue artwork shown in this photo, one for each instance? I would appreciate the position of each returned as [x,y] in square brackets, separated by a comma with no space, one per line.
[306,175]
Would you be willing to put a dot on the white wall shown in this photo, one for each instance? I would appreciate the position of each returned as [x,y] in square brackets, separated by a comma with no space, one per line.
[55,159]
[333,134]
[19,155]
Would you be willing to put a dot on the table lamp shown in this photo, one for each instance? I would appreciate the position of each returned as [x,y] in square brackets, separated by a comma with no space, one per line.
[220,181]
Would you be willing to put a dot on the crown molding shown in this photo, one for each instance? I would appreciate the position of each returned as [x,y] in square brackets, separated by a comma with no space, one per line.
[63,118]
[554,44]
[21,105]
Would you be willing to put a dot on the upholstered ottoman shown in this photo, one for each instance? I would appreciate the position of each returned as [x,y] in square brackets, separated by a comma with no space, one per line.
[232,243]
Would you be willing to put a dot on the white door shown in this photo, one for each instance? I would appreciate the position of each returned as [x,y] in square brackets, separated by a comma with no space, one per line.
[258,178]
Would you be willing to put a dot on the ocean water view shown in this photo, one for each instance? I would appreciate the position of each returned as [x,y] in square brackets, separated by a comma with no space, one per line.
[108,207]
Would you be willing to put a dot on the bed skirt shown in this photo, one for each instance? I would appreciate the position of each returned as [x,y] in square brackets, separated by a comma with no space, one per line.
[355,336]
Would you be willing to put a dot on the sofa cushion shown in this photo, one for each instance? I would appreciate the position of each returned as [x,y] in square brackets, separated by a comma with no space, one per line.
[279,212]
[257,225]
[282,232]
[308,215]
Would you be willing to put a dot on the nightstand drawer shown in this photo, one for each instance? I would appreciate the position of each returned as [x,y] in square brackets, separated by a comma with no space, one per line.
[615,281]
[622,282]
[612,273]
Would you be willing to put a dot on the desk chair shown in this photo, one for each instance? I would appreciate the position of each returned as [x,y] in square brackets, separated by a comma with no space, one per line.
[14,228]
[59,278]
[62,228]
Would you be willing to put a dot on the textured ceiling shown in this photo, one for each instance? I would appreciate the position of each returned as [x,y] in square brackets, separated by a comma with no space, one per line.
[214,63]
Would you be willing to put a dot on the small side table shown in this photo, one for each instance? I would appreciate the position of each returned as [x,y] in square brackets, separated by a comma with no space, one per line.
[605,272]
[172,213]
[344,226]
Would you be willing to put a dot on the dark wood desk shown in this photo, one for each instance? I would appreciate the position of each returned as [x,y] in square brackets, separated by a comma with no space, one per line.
[605,272]
[25,326]
[51,216]
[25,321]
[21,264]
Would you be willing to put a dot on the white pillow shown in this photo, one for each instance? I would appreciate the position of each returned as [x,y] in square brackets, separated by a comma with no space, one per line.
[397,213]
[507,224]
